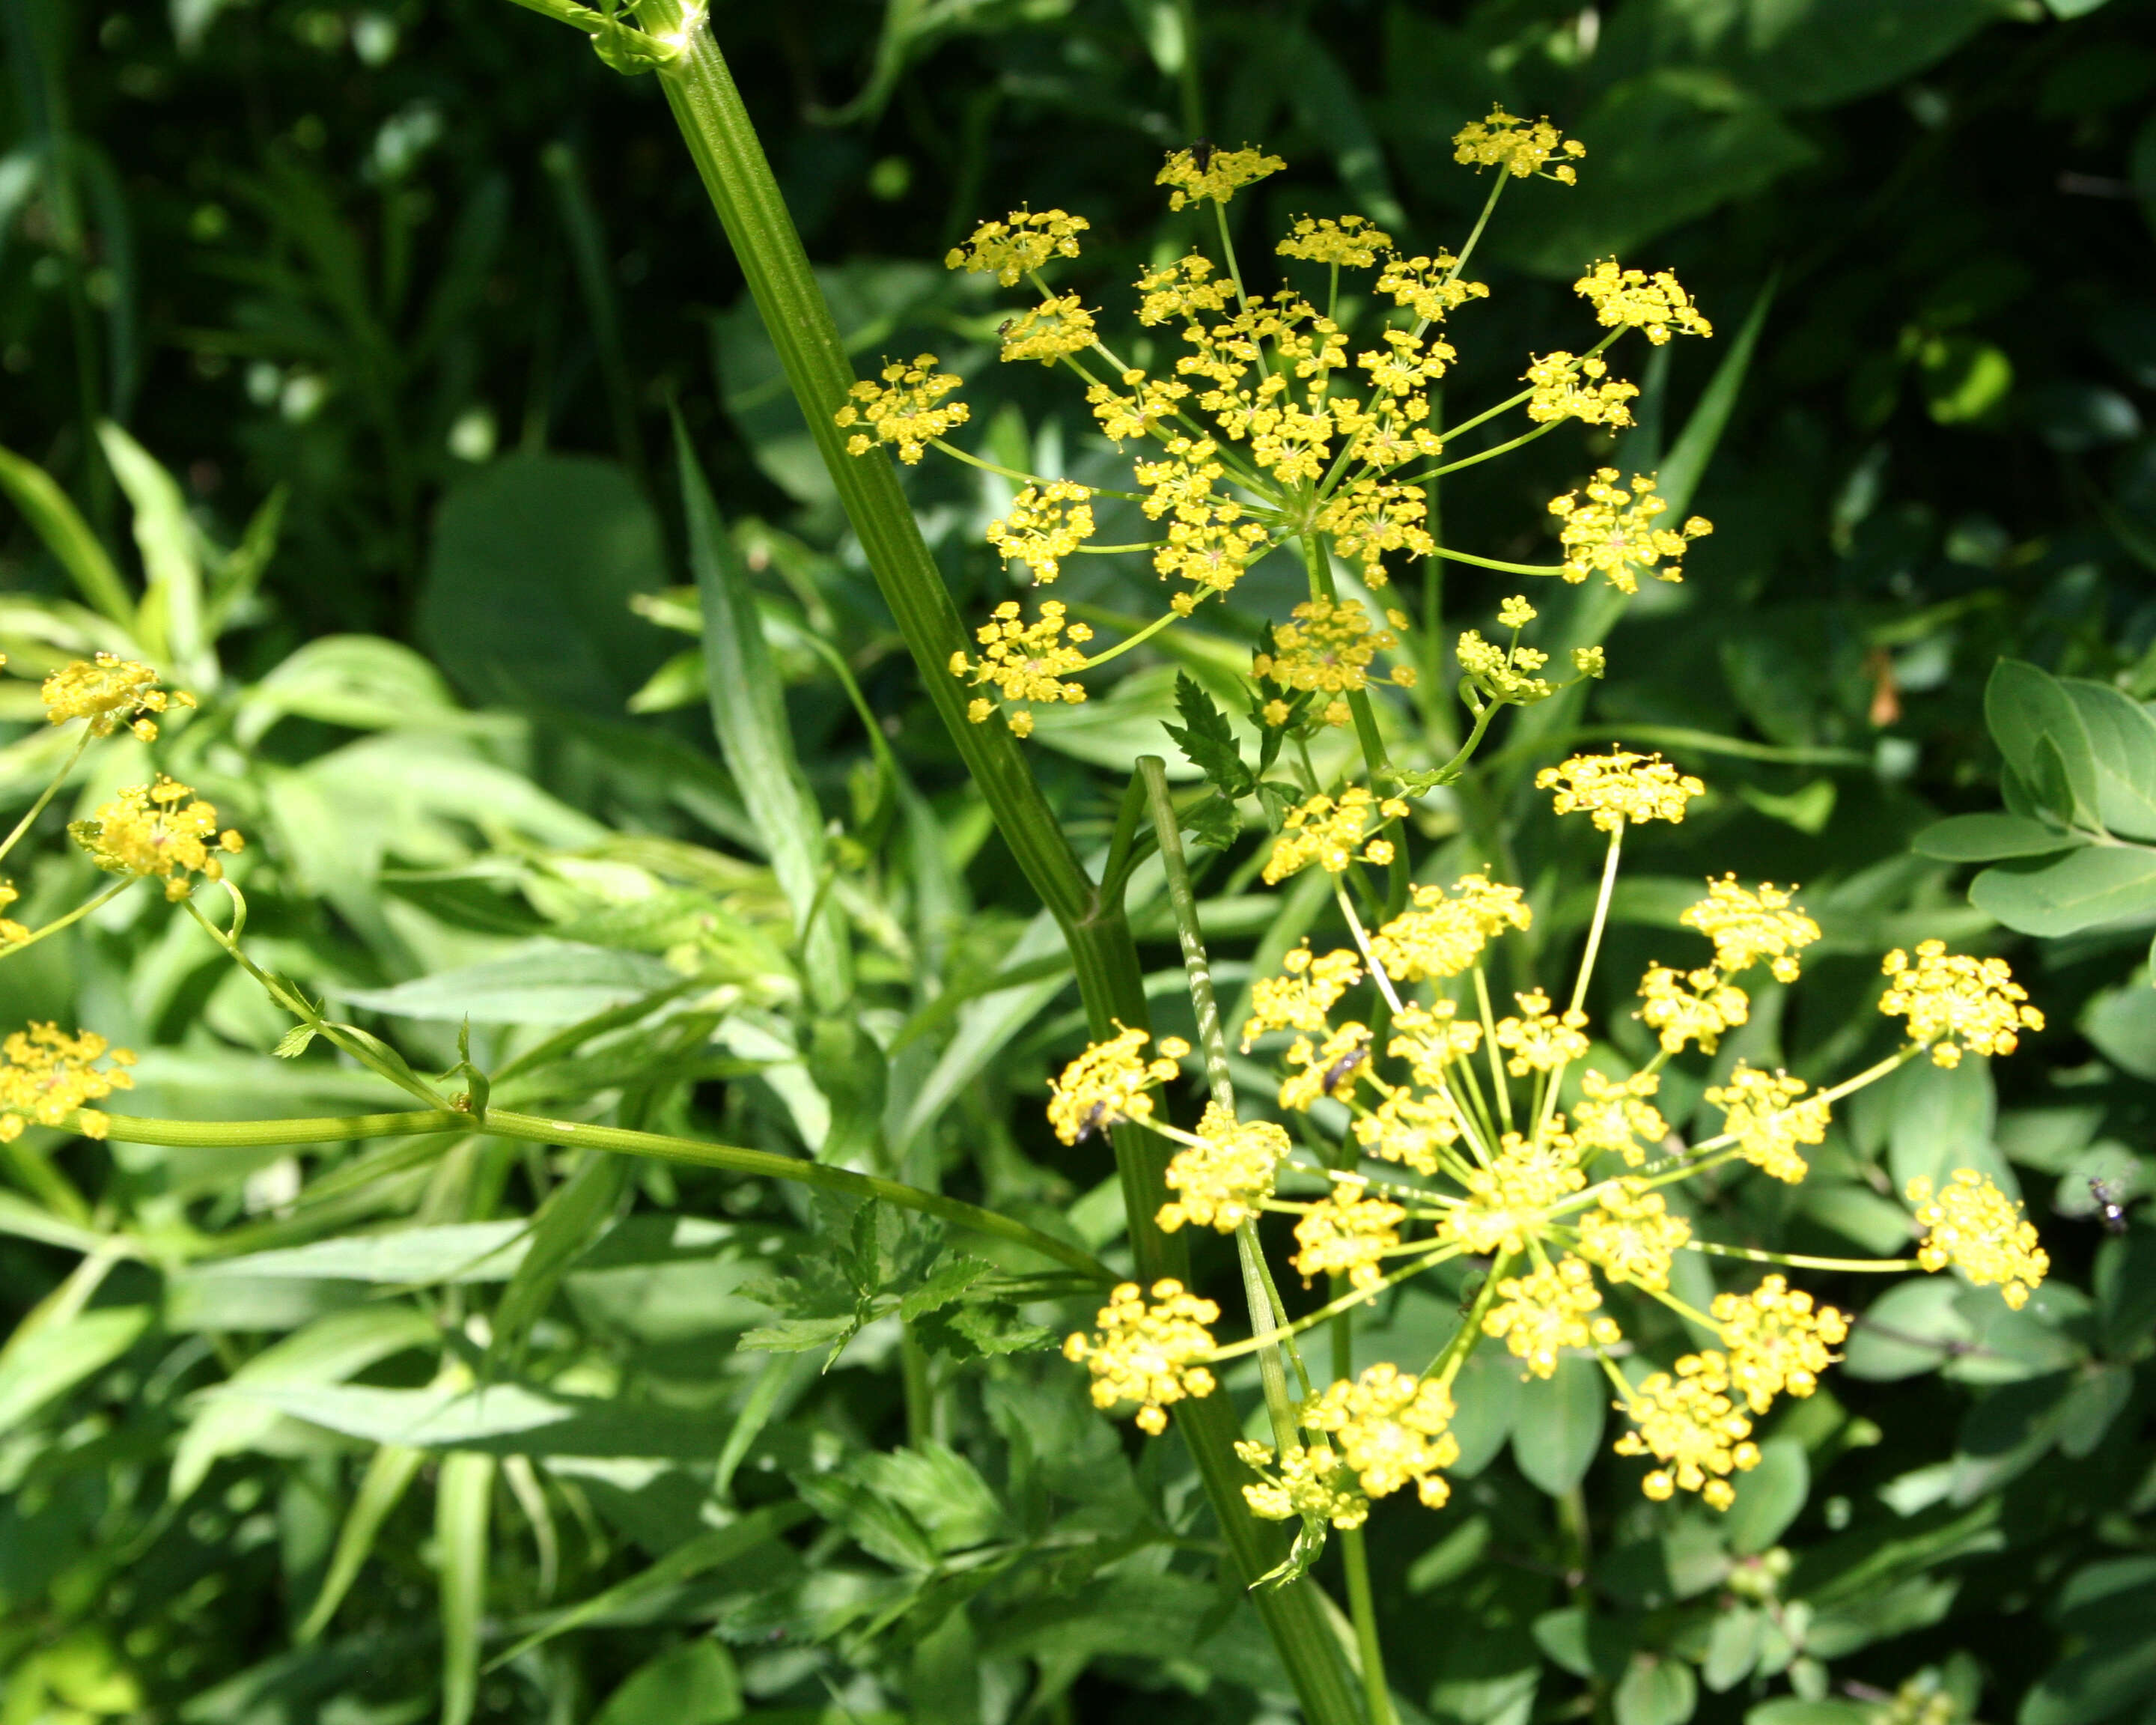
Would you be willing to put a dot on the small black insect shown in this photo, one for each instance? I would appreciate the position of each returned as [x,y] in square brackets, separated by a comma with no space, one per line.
[1201,154]
[1004,327]
[1091,1123]
[1336,1074]
[2110,1206]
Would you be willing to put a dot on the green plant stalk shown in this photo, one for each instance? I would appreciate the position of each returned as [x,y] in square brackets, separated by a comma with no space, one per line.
[722,142]
[1354,1554]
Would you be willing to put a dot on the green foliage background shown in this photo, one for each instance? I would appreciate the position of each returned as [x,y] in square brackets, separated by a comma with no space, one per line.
[408,290]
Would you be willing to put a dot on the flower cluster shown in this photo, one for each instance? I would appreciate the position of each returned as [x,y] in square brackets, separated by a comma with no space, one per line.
[1046,523]
[1108,1084]
[1565,387]
[902,409]
[1761,1112]
[1352,241]
[1540,1314]
[1147,1352]
[47,1076]
[1970,1223]
[1696,1007]
[12,932]
[1020,243]
[1391,1428]
[1614,1115]
[1330,832]
[1519,147]
[1203,171]
[1541,1040]
[1688,1424]
[155,832]
[1348,1234]
[1025,661]
[1621,787]
[1746,926]
[1955,1003]
[1058,325]
[1778,1340]
[1223,1178]
[1630,298]
[1311,1481]
[1327,649]
[1631,1237]
[1445,933]
[1613,533]
[109,692]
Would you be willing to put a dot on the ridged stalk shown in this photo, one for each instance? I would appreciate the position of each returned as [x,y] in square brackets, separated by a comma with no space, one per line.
[723,144]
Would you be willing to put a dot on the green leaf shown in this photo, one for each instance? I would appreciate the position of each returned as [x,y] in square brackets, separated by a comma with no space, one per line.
[43,1362]
[2026,708]
[1768,1497]
[1916,1326]
[170,621]
[2100,885]
[1791,1710]
[389,1474]
[2121,737]
[574,1215]
[1656,1690]
[464,1493]
[2121,1022]
[800,1335]
[1987,837]
[545,983]
[1490,1396]
[1732,1647]
[1556,1425]
[1207,740]
[361,682]
[1943,1119]
[67,536]
[2105,1680]
[945,1283]
[693,1684]
[748,711]
[410,1257]
[501,1418]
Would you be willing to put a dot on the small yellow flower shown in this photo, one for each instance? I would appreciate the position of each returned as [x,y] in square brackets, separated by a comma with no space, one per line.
[1429,1038]
[1516,612]
[1151,404]
[1697,1007]
[1628,298]
[1444,934]
[1305,992]
[11,933]
[1616,1115]
[1589,661]
[1567,387]
[1223,1183]
[1348,1234]
[1409,1127]
[47,1075]
[1631,1237]
[1204,171]
[1503,673]
[1391,1428]
[1328,649]
[1058,325]
[1431,286]
[1310,1481]
[1018,245]
[1953,1002]
[1762,1111]
[1333,1068]
[1148,1354]
[1508,1201]
[109,692]
[1046,524]
[1613,532]
[1329,833]
[1747,927]
[1688,1422]
[1366,517]
[1778,1341]
[902,409]
[1352,241]
[1619,787]
[1025,661]
[1182,290]
[1107,1084]
[1543,1312]
[153,831]
[1540,1039]
[1520,147]
[1978,1230]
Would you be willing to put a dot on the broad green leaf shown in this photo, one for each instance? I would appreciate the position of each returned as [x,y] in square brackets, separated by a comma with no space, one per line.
[941,1490]
[1490,1397]
[546,983]
[67,536]
[42,1363]
[410,1257]
[171,618]
[2116,1674]
[748,712]
[1988,838]
[389,1473]
[1655,1691]
[528,581]
[2122,748]
[1557,1423]
[2026,708]
[1915,1327]
[1768,1497]
[1732,1647]
[2121,1022]
[327,1351]
[25,1220]
[507,1418]
[2125,1283]
[1943,1120]
[464,1494]
[693,1684]
[362,682]
[2082,890]
[571,1218]
[1791,1710]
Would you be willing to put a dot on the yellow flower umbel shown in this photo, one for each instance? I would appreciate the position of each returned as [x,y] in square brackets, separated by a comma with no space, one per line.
[1778,1341]
[1509,1201]
[1352,242]
[1311,1481]
[1058,325]
[1202,171]
[1541,1038]
[1222,1179]
[1520,148]
[902,409]
[109,692]
[155,832]
[1566,388]
[47,1076]
[1025,661]
[1696,1007]
[1630,299]
[1631,1237]
[1688,1422]
[1392,1429]
[1444,934]
[1149,1353]
[1046,525]
[1018,245]
[1348,1234]
[1545,1311]
[1761,1112]
[1613,533]
[1107,1084]
[1616,1115]
[1747,927]
[1306,989]
[1972,1226]
[1331,832]
[1328,649]
[1953,1003]
[1620,786]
